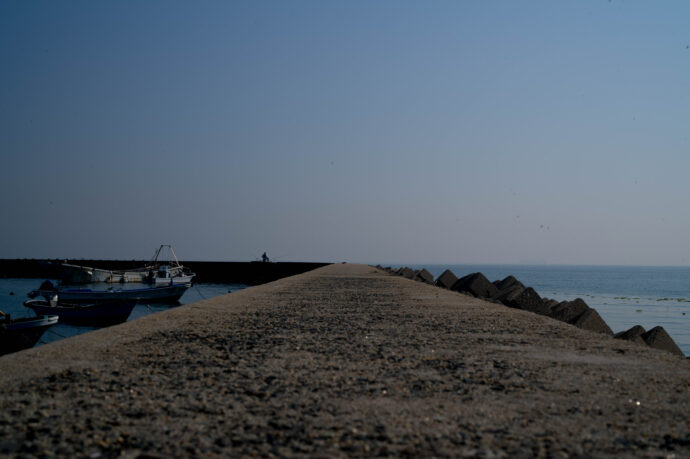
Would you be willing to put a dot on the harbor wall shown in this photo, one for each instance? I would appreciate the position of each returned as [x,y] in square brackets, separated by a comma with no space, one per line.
[249,273]
[344,361]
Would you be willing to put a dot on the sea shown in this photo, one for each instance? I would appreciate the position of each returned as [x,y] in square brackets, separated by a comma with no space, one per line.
[624,296]
[13,294]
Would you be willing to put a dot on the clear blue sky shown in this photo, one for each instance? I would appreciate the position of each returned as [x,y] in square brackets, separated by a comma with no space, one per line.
[384,131]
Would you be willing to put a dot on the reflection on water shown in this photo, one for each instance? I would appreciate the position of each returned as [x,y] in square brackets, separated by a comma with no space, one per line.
[13,294]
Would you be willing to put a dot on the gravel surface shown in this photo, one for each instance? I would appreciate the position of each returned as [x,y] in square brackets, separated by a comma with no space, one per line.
[345,360]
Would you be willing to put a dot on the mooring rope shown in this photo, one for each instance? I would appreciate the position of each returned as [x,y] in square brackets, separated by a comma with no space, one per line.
[54,333]
[196,286]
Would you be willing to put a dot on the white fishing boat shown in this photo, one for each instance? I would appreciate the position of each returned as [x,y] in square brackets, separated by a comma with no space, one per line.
[170,272]
[167,276]
[76,274]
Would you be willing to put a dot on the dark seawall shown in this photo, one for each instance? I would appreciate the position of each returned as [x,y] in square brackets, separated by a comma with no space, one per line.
[249,273]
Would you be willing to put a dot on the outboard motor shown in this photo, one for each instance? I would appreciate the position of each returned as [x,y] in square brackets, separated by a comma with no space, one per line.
[47,285]
[45,288]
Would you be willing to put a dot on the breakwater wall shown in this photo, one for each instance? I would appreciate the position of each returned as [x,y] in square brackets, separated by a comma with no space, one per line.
[344,361]
[514,294]
[249,273]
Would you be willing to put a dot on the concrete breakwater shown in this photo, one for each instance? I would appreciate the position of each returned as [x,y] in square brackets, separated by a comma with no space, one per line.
[345,360]
[249,273]
[513,293]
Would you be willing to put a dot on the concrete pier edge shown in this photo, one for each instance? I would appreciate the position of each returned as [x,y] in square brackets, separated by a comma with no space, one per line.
[344,360]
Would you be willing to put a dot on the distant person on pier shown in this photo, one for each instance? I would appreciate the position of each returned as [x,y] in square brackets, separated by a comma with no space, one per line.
[264,258]
[3,328]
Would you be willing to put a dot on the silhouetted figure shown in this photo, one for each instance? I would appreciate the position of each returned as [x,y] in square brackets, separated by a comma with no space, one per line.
[264,258]
[3,318]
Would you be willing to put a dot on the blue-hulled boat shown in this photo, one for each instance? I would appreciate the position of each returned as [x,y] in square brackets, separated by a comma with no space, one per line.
[164,294]
[101,313]
[23,333]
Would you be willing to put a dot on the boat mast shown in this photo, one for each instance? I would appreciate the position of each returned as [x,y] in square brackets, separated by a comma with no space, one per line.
[154,260]
[174,256]
[155,257]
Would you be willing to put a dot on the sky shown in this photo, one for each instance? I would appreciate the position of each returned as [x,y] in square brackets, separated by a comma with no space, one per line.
[361,131]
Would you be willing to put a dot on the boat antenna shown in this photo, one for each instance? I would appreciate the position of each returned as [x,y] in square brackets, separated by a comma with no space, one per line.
[173,254]
[154,260]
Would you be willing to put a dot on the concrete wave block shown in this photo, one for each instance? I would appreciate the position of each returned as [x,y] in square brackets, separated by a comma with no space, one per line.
[591,320]
[406,273]
[508,283]
[424,276]
[475,284]
[550,303]
[633,334]
[568,311]
[509,293]
[529,300]
[447,279]
[659,339]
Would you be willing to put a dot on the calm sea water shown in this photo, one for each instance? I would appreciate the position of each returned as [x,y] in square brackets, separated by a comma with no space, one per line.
[13,294]
[624,296]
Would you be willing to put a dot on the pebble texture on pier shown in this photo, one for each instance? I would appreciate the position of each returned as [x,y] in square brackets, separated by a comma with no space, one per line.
[345,360]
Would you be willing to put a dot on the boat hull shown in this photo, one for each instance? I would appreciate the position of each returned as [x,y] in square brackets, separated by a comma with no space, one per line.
[103,313]
[20,334]
[177,280]
[164,294]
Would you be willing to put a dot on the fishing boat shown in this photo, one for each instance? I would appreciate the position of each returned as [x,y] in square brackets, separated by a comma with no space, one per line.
[23,333]
[150,273]
[101,313]
[76,274]
[167,276]
[168,293]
